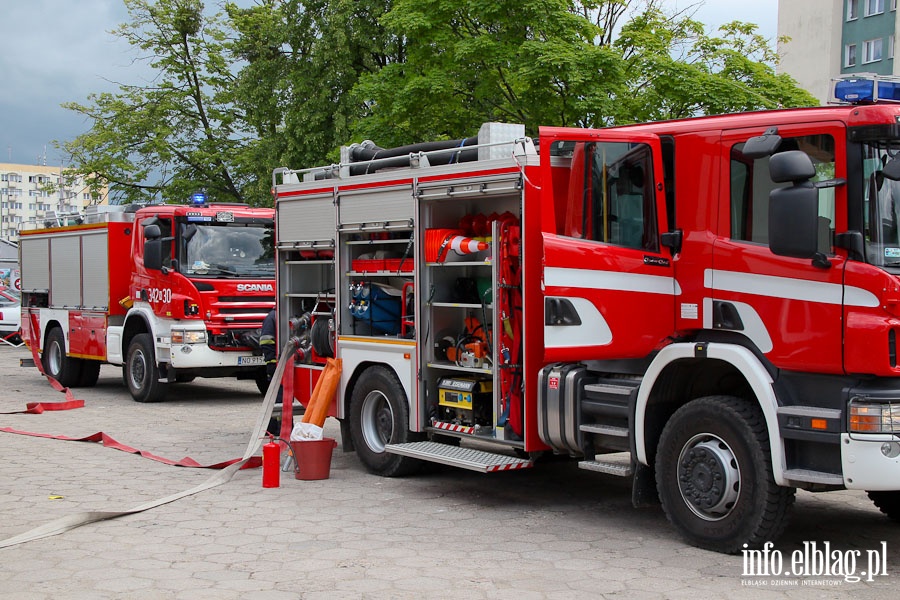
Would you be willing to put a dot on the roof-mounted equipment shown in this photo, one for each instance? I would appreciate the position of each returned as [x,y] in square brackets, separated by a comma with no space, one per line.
[865,88]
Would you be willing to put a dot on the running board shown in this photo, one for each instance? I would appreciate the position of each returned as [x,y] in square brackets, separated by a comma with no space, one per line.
[456,456]
[807,476]
[618,464]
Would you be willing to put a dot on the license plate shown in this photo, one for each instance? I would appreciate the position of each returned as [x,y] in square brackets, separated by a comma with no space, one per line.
[250,360]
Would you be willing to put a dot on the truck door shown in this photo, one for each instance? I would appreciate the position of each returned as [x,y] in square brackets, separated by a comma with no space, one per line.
[608,284]
[789,308]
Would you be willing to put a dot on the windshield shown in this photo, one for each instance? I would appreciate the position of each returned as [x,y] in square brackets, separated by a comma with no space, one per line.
[881,202]
[244,250]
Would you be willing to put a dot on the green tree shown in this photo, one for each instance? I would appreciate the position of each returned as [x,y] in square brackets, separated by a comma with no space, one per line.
[301,59]
[560,62]
[181,131]
[680,71]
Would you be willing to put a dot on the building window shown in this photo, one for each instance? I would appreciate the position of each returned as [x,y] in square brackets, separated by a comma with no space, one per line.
[890,52]
[893,4]
[852,10]
[871,51]
[874,7]
[850,55]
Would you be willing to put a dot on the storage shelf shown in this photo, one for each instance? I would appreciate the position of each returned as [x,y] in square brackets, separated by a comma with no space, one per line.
[373,242]
[468,263]
[314,261]
[406,274]
[449,366]
[461,305]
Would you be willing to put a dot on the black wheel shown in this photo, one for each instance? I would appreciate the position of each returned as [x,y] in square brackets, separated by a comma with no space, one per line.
[65,369]
[379,415]
[90,373]
[141,373]
[262,381]
[714,475]
[887,502]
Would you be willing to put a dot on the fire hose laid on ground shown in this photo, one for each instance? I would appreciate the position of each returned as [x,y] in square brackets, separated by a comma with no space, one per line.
[224,475]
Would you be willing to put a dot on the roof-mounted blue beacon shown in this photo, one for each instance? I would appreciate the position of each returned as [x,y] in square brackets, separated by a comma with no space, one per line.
[198,199]
[865,88]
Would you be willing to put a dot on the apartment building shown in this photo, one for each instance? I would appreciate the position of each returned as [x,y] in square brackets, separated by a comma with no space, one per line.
[836,37]
[34,193]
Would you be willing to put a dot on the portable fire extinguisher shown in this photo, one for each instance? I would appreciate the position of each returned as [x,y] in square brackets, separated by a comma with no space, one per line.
[271,476]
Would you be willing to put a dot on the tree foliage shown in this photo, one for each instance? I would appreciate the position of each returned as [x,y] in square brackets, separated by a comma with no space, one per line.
[563,62]
[286,82]
[302,59]
[179,132]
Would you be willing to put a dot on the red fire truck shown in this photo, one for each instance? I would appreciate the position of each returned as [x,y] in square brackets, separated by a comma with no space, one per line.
[170,292]
[709,306]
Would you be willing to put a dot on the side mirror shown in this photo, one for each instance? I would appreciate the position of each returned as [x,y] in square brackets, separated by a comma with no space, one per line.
[762,145]
[153,253]
[794,210]
[794,221]
[892,169]
[793,166]
[152,231]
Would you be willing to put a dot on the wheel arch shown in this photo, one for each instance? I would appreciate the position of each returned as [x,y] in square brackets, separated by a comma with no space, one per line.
[49,326]
[703,370]
[134,324]
[352,380]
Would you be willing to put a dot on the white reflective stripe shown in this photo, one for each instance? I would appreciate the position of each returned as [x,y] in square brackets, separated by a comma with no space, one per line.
[593,331]
[611,280]
[788,288]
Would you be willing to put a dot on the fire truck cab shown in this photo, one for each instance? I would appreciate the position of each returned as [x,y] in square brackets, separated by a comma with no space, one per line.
[709,306]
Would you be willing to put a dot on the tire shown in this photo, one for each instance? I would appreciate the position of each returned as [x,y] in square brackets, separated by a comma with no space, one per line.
[379,415]
[887,502]
[714,476]
[141,373]
[90,373]
[64,369]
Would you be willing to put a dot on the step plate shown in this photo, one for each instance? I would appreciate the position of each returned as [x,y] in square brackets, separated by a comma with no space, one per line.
[610,468]
[455,456]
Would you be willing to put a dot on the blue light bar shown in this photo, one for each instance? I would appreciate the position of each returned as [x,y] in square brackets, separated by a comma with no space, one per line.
[866,88]
[198,198]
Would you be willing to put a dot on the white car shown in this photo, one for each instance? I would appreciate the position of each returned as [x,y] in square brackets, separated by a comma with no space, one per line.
[10,314]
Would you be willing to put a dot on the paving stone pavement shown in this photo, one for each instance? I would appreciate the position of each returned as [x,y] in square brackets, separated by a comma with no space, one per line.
[554,532]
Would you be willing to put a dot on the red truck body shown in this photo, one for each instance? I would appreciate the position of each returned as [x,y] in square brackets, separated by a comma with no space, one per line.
[708,306]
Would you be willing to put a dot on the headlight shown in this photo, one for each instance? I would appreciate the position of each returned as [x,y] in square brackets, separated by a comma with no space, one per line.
[874,418]
[182,336]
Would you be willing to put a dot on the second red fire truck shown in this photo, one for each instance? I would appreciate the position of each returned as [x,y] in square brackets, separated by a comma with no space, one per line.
[170,292]
[709,306]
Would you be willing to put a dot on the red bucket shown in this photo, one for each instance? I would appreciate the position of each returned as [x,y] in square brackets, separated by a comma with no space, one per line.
[313,458]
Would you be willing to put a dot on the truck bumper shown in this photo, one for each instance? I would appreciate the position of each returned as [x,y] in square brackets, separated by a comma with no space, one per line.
[871,462]
[198,356]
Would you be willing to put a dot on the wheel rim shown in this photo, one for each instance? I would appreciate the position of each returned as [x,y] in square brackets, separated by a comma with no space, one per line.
[377,421]
[137,369]
[709,477]
[54,358]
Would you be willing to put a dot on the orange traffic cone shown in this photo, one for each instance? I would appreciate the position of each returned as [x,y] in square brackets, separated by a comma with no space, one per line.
[463,245]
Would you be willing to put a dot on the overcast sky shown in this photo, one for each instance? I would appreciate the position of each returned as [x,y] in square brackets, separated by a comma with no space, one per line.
[55,51]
